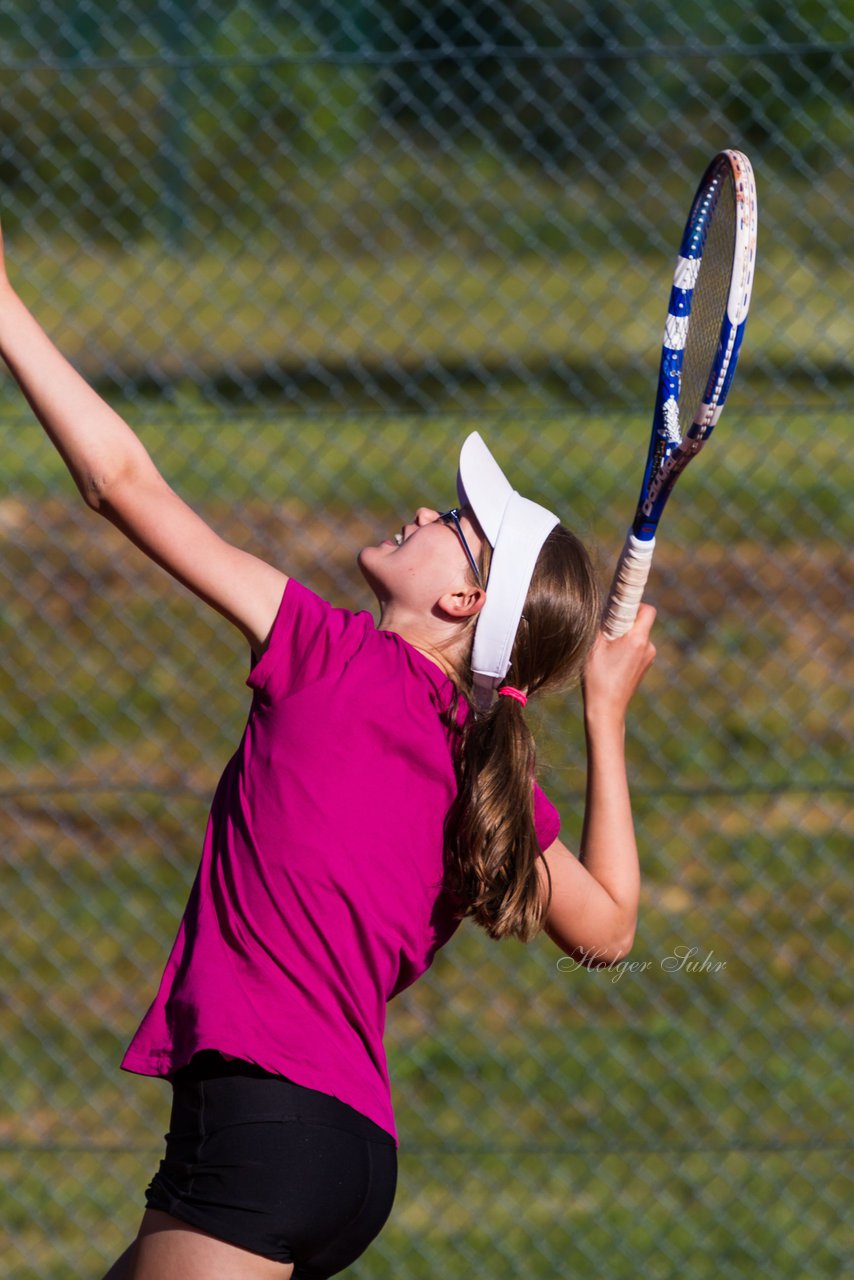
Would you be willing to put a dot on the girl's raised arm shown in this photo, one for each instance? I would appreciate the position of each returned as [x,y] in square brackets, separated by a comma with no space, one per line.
[594,901]
[117,478]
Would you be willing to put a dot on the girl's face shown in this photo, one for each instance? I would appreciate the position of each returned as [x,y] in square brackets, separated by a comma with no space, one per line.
[426,565]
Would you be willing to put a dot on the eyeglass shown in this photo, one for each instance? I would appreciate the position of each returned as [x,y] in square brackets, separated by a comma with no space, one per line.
[452,518]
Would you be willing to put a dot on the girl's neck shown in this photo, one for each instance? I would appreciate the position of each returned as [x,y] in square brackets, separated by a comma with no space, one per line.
[437,649]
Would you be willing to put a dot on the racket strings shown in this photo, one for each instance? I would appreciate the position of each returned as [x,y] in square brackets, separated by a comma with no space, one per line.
[708,306]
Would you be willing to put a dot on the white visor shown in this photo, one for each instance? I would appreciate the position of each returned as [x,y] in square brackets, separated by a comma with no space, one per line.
[516,530]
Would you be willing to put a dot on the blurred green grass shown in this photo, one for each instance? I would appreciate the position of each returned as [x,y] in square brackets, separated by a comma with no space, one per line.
[538,323]
[781,472]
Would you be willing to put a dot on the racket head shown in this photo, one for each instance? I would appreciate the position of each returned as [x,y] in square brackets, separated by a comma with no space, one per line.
[707,314]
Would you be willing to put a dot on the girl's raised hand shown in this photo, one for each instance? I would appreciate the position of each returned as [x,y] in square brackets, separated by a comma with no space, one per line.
[615,668]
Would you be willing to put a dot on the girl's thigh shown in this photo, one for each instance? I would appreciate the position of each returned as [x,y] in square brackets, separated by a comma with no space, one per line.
[167,1249]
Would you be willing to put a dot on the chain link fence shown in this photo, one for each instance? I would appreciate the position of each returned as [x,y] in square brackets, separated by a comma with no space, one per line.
[305,248]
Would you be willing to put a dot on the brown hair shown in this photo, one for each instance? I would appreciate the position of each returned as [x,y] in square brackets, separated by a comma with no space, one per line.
[491,846]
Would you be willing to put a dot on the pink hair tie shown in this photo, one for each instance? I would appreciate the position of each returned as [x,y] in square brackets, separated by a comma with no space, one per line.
[514,693]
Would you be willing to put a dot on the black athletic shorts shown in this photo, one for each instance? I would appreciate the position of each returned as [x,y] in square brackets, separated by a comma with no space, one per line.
[273,1167]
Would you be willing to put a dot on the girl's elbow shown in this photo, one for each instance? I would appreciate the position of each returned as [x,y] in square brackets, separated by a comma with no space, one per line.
[625,941]
[101,488]
[624,947]
[624,934]
[606,953]
[607,957]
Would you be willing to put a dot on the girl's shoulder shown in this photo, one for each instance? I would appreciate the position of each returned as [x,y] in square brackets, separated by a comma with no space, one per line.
[308,635]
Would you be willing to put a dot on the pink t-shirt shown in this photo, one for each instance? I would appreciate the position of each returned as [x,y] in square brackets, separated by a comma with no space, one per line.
[319,896]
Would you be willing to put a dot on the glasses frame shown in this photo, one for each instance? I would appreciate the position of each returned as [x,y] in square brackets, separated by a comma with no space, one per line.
[454,516]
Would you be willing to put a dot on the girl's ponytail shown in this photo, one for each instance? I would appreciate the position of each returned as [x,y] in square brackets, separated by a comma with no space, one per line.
[492,845]
[490,836]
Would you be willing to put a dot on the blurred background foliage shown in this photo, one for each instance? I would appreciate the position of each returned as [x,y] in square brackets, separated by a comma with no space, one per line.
[305,248]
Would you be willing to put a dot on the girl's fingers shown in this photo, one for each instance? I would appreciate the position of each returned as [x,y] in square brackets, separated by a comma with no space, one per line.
[645,619]
[616,667]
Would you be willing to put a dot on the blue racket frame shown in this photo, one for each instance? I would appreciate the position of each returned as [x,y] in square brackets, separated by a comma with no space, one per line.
[670,451]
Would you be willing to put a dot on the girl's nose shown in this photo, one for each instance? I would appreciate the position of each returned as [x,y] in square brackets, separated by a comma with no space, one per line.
[426,515]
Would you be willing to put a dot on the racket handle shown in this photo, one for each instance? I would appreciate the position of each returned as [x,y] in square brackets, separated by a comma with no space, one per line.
[627,588]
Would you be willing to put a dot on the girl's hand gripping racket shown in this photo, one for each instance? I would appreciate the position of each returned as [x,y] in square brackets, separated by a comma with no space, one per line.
[702,337]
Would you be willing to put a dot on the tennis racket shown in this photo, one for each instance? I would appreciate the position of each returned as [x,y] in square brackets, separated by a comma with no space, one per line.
[705,323]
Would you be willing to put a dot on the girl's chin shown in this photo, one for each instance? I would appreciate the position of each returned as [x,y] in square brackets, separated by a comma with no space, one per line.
[366,557]
[375,553]
[373,580]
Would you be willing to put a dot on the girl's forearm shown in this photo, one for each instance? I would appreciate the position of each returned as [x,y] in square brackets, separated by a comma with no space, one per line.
[95,443]
[608,848]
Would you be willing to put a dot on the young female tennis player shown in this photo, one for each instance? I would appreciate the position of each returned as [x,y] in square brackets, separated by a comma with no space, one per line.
[382,790]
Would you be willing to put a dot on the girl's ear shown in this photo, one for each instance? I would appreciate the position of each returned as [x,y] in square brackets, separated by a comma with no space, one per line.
[462,604]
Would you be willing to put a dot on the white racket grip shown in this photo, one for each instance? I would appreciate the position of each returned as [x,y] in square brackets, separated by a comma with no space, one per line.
[627,588]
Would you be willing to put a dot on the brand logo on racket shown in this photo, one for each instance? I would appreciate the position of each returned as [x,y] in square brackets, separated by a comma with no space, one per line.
[669,472]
